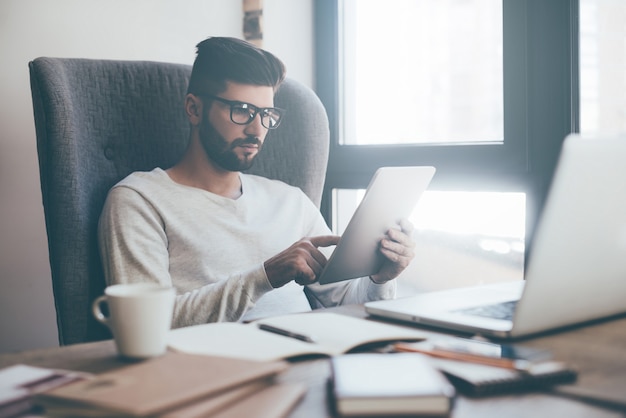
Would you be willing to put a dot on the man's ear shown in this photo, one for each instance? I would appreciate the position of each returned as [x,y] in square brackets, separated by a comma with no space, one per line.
[193,108]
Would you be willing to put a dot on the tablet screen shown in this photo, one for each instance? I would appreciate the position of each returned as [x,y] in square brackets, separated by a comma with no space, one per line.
[391,196]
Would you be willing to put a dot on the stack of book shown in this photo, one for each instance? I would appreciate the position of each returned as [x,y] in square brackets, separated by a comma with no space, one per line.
[178,385]
[20,383]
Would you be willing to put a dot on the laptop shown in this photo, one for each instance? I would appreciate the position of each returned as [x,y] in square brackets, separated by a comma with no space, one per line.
[391,195]
[577,269]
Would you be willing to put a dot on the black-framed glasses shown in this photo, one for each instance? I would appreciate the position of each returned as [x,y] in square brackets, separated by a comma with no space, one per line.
[243,113]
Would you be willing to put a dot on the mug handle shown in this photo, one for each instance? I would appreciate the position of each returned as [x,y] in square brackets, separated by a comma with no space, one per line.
[97,312]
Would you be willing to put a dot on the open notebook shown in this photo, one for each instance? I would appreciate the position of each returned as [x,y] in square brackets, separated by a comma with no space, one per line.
[329,333]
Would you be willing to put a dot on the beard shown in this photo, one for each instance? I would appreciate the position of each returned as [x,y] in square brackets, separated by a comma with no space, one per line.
[222,153]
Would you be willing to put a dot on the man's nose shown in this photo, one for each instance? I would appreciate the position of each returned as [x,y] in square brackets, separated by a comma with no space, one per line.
[255,127]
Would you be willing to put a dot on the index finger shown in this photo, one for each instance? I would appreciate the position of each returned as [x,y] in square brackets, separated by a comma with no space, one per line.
[325,240]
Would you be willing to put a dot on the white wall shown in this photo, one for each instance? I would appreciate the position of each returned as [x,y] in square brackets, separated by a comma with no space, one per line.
[161,30]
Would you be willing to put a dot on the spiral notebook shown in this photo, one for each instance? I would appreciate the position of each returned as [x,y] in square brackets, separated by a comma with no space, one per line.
[479,380]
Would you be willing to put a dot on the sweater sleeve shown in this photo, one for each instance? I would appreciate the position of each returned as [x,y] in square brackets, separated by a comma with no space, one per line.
[134,248]
[355,291]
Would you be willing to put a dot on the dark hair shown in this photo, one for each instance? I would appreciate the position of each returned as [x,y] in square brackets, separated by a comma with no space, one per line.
[221,59]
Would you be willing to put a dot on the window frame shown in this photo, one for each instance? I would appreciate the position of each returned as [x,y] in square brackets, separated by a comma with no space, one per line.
[540,53]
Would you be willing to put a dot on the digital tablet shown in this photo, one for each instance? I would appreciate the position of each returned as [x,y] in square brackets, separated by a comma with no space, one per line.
[391,196]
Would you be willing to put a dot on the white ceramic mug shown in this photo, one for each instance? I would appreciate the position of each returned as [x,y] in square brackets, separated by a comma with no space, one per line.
[140,317]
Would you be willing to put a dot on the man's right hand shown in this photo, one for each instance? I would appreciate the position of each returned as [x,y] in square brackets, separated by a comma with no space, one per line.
[302,262]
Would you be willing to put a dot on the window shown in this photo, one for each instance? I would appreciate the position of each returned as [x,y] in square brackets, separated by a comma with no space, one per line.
[602,67]
[421,71]
[482,90]
[456,233]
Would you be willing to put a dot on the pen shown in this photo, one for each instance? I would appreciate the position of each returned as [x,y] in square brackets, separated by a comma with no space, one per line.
[515,364]
[286,333]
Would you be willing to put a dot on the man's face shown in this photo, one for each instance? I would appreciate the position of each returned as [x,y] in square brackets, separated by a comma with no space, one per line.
[230,146]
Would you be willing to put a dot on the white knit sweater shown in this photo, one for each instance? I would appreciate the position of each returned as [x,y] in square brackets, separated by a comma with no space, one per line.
[211,249]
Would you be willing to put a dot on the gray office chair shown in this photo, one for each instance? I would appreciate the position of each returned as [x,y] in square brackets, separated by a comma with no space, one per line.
[99,120]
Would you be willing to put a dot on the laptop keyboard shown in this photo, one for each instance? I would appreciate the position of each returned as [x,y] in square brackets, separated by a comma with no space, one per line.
[504,310]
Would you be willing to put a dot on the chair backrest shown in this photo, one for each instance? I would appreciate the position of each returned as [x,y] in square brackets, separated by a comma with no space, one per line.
[99,120]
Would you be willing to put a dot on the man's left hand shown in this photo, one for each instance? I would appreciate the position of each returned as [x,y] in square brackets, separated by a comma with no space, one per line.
[399,249]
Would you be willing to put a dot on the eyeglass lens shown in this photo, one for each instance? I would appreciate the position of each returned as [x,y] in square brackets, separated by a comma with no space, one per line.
[243,113]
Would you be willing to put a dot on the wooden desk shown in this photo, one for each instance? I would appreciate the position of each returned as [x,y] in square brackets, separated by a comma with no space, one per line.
[598,351]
